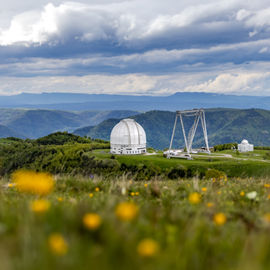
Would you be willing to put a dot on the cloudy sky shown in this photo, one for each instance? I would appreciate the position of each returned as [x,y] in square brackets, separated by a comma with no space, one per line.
[152,47]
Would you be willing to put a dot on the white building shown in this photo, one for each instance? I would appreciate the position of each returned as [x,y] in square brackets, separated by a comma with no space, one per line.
[244,146]
[128,138]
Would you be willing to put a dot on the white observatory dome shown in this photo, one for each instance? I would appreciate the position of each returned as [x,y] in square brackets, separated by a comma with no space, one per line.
[244,142]
[128,137]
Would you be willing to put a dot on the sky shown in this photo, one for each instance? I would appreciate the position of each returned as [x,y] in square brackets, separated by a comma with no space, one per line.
[135,47]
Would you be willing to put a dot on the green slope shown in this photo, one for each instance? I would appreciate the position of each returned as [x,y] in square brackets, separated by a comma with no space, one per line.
[37,123]
[224,125]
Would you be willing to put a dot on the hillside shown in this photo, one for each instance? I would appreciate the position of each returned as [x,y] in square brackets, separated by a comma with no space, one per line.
[224,125]
[7,132]
[25,123]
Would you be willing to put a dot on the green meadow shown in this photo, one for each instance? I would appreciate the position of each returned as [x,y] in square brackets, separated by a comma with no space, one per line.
[185,231]
[130,212]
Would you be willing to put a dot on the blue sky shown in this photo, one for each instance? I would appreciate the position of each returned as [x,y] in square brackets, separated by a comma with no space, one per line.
[136,47]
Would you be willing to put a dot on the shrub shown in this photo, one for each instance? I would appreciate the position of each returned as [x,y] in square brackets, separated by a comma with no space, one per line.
[215,174]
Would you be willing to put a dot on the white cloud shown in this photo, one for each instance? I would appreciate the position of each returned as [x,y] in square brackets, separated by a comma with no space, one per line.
[241,83]
[197,40]
[125,21]
[229,79]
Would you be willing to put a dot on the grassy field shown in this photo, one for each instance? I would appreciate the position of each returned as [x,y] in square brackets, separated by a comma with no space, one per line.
[89,223]
[243,165]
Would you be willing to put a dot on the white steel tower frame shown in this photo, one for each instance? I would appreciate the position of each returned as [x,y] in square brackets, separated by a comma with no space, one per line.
[198,115]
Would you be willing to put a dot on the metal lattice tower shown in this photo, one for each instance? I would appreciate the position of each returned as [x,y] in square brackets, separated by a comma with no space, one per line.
[198,115]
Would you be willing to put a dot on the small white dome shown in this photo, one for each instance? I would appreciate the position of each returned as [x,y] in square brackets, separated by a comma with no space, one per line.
[244,142]
[128,137]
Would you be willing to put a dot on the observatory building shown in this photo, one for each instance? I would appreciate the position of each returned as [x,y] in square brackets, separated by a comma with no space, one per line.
[244,146]
[128,138]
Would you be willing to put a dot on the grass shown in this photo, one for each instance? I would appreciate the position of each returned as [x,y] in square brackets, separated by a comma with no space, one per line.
[186,233]
[243,165]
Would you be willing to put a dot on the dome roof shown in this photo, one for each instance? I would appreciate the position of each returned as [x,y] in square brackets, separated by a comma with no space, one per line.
[244,142]
[128,132]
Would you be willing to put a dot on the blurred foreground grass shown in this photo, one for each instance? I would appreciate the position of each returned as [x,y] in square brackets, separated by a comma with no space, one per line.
[89,223]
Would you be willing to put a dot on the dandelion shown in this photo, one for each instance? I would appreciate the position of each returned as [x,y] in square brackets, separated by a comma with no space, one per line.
[242,193]
[145,185]
[92,221]
[204,189]
[266,217]
[209,205]
[132,193]
[148,248]
[126,211]
[137,193]
[267,185]
[219,219]
[10,185]
[194,198]
[91,195]
[97,189]
[59,199]
[57,244]
[33,182]
[40,206]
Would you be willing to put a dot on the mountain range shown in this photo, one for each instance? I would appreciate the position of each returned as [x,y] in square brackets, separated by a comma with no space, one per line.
[223,125]
[93,102]
[35,123]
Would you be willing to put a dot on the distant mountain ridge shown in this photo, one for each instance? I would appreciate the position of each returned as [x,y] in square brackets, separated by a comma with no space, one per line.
[23,123]
[223,125]
[177,101]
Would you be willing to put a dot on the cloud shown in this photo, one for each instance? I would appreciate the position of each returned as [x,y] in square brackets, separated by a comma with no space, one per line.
[241,83]
[135,46]
[249,80]
[127,23]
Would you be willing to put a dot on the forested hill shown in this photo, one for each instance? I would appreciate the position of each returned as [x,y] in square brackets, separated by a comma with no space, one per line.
[24,123]
[223,125]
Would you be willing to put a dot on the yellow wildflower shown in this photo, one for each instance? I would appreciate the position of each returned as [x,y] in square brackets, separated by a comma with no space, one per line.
[92,221]
[132,193]
[91,195]
[145,185]
[126,211]
[268,197]
[33,182]
[266,217]
[57,244]
[242,193]
[137,193]
[11,185]
[267,185]
[97,189]
[219,192]
[209,205]
[204,189]
[194,198]
[59,199]
[40,206]
[219,219]
[148,248]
